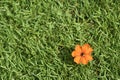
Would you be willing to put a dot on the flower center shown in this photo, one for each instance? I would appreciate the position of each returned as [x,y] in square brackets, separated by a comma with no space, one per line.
[82,54]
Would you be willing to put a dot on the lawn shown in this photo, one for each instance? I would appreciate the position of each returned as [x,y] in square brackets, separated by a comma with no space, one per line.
[37,38]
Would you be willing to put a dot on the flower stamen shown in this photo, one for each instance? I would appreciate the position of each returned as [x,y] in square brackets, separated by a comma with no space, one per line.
[82,54]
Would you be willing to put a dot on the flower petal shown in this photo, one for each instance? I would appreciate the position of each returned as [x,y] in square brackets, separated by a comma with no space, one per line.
[88,57]
[87,49]
[77,59]
[83,60]
[78,48]
[75,53]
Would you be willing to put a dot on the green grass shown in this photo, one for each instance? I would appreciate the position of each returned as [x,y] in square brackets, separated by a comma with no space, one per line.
[38,36]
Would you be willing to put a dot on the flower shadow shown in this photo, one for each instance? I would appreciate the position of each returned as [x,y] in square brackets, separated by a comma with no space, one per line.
[65,55]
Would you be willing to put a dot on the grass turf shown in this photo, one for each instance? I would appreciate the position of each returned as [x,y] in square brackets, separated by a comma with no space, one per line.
[38,36]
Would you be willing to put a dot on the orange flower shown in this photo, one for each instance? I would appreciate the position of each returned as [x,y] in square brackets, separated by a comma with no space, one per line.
[82,54]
